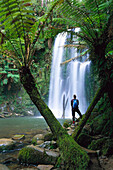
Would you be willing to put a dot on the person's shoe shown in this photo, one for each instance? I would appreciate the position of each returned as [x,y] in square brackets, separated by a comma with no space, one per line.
[74,122]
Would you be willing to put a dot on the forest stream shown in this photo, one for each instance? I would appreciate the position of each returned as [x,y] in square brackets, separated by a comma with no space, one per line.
[27,126]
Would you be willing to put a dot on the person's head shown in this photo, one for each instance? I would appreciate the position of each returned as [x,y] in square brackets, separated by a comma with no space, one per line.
[74,96]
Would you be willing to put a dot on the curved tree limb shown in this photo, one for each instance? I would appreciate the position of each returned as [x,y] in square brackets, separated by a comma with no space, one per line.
[71,153]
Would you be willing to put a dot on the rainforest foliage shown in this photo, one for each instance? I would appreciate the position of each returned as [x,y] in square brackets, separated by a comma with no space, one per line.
[12,95]
[95,22]
[24,31]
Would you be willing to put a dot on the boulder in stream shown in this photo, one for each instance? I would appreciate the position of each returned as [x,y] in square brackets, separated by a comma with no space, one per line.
[18,137]
[36,155]
[6,144]
[38,139]
[45,167]
[3,167]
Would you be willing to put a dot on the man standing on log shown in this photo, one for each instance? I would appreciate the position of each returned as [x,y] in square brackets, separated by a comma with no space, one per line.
[74,106]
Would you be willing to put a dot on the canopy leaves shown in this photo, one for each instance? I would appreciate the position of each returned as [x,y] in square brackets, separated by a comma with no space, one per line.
[20,29]
[92,16]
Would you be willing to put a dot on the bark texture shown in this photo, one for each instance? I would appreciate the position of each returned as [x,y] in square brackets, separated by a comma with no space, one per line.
[71,153]
[110,92]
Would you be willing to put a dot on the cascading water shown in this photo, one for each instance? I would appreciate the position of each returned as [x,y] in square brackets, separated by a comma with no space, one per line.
[66,80]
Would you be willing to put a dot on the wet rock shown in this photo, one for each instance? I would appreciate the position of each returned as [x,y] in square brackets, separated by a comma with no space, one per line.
[106,162]
[10,160]
[30,113]
[6,144]
[18,137]
[36,155]
[73,126]
[39,142]
[71,129]
[67,123]
[94,162]
[49,145]
[87,128]
[7,114]
[45,167]
[49,137]
[28,168]
[3,167]
[39,136]
[2,116]
[38,139]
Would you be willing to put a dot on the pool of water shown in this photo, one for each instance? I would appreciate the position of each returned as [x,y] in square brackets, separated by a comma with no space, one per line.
[12,126]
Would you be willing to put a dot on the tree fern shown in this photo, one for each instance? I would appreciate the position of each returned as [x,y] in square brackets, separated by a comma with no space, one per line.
[89,15]
[20,30]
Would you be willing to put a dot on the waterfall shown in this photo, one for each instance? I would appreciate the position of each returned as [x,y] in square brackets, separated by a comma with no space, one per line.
[66,80]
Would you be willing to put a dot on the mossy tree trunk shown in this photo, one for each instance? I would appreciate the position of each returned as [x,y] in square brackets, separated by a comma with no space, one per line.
[104,65]
[71,153]
[110,92]
[95,100]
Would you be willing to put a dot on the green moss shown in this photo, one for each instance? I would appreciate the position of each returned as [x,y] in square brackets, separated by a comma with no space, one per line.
[107,148]
[49,137]
[59,163]
[35,155]
[29,156]
[34,141]
[72,156]
[98,124]
[105,145]
[24,155]
[67,123]
[97,144]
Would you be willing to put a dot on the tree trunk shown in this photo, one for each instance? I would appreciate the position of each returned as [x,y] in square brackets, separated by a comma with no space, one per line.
[110,92]
[105,67]
[96,98]
[71,153]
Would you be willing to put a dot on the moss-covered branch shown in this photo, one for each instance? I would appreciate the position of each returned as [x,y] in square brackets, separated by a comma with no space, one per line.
[71,153]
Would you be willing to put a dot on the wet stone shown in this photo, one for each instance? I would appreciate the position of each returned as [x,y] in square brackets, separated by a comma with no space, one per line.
[45,167]
[18,137]
[6,144]
[3,167]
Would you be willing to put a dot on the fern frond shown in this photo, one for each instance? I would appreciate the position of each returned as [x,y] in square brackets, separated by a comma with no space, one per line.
[16,20]
[89,15]
[40,23]
[10,55]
